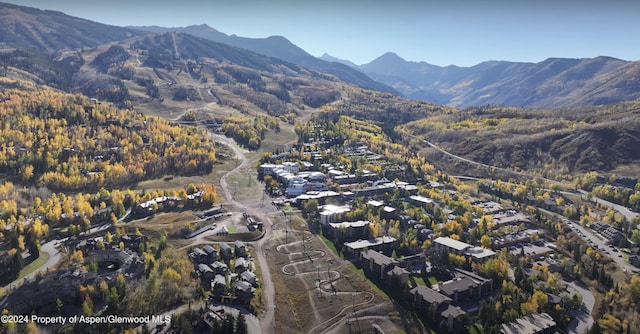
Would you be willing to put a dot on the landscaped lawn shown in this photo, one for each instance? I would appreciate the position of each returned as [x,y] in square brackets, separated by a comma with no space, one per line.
[34,265]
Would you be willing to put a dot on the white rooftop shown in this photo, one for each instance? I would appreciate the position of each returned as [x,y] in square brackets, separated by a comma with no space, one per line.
[329,209]
[422,199]
[359,223]
[452,243]
[479,252]
[361,244]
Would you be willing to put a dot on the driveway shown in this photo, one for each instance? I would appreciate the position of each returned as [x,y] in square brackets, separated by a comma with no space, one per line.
[54,258]
[582,319]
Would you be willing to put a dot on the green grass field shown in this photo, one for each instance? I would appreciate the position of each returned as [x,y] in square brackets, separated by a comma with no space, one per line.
[33,265]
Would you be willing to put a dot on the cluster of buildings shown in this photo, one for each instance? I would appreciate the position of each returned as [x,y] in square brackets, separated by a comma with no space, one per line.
[226,272]
[293,181]
[612,234]
[453,300]
[147,208]
[535,323]
[452,246]
[41,293]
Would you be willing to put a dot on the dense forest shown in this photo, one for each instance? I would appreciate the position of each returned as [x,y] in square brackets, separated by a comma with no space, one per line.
[68,142]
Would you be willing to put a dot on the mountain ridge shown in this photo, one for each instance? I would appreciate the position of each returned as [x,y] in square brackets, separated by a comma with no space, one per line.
[53,30]
[553,82]
[281,48]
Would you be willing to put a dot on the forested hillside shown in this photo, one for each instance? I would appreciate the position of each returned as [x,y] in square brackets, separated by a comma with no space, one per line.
[69,142]
[551,141]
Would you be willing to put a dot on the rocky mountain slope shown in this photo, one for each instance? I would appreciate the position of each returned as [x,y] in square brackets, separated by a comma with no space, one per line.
[281,48]
[555,82]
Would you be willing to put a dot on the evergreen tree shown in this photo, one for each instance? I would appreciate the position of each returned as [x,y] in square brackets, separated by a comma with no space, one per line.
[241,325]
[34,250]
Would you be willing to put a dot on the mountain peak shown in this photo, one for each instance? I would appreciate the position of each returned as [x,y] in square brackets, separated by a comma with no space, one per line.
[389,61]
[388,56]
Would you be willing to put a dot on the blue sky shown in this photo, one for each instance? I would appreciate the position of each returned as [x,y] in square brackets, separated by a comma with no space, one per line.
[459,32]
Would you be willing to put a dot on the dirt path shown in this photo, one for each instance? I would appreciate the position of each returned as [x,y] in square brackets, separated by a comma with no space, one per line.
[299,260]
[267,319]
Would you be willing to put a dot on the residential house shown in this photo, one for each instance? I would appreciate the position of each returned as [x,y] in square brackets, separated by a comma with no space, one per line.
[212,253]
[197,255]
[383,244]
[489,208]
[133,241]
[219,268]
[384,268]
[240,249]
[428,302]
[349,231]
[244,291]
[225,251]
[250,277]
[536,323]
[240,265]
[206,274]
[219,285]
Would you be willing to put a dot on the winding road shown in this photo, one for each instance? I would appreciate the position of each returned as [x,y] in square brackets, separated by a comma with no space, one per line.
[582,319]
[267,319]
[54,257]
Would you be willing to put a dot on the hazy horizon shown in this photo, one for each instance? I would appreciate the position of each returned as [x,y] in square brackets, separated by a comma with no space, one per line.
[462,33]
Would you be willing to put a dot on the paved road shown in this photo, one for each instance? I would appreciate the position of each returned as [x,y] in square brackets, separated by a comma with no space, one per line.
[51,248]
[630,215]
[54,257]
[479,163]
[582,319]
[601,244]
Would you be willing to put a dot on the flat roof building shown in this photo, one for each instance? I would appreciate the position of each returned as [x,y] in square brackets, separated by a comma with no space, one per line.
[331,213]
[446,244]
[536,323]
[384,243]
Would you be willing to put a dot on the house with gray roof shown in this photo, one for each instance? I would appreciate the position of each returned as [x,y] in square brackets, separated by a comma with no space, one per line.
[383,268]
[225,251]
[240,249]
[249,277]
[536,323]
[428,302]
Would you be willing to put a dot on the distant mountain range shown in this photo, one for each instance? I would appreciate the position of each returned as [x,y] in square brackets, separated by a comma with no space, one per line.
[281,48]
[40,41]
[50,31]
[555,82]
